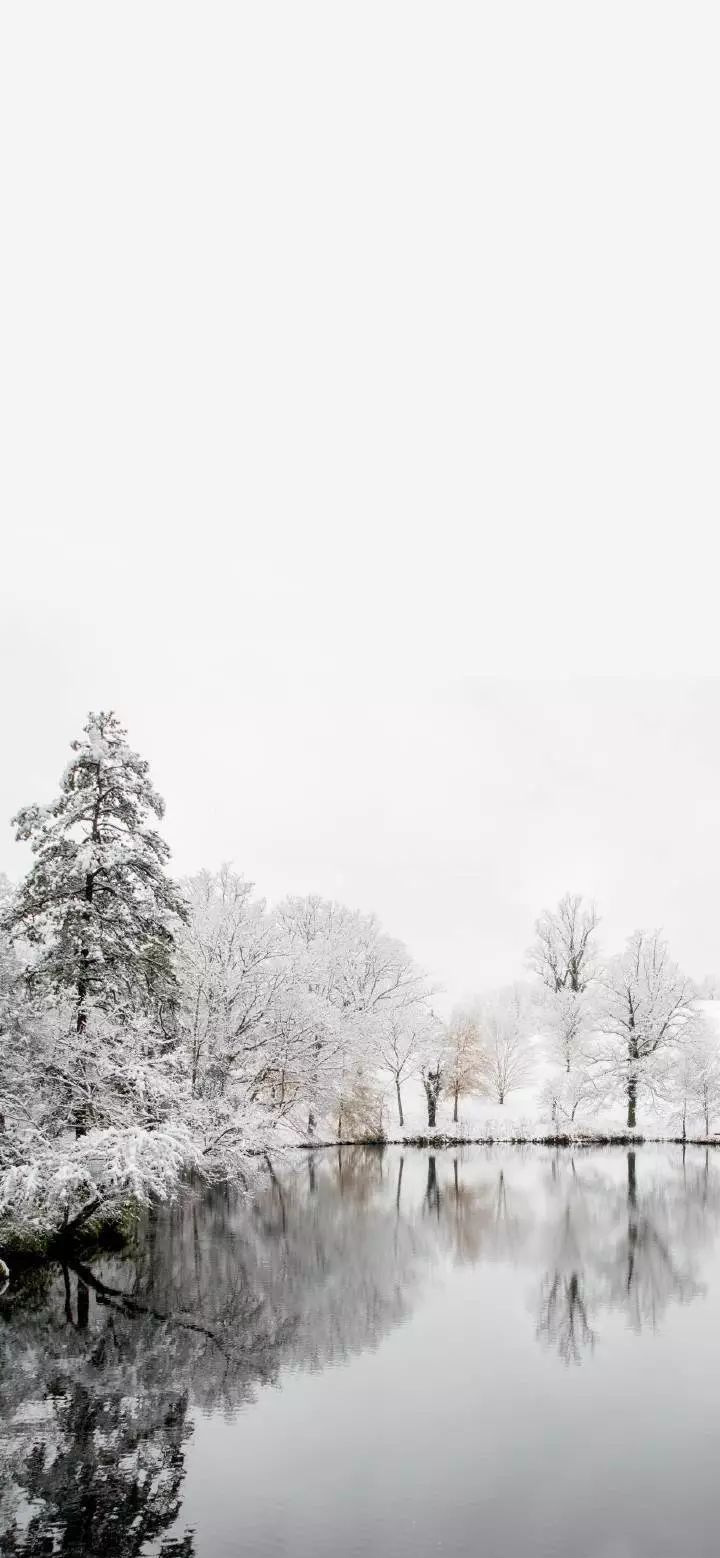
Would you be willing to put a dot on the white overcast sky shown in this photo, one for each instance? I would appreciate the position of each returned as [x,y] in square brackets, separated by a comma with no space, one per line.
[359,380]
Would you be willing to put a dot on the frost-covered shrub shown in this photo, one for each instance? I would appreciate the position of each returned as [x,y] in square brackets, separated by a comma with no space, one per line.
[62,1187]
[360,1110]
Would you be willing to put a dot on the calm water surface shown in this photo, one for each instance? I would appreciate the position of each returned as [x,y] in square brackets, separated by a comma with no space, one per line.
[494,1352]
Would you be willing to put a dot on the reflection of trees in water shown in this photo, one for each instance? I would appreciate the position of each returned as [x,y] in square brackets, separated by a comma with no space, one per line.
[314,1270]
[92,1448]
[485,1218]
[649,1266]
[563,1316]
[610,1231]
[570,1233]
[101,1367]
[629,1245]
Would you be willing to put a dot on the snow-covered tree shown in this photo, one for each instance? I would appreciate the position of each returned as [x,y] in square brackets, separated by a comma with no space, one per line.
[568,1095]
[433,1081]
[360,1112]
[397,1051]
[504,1021]
[706,1087]
[466,1069]
[10,970]
[708,988]
[694,1078]
[361,978]
[61,1188]
[97,906]
[567,1019]
[231,971]
[564,952]
[564,957]
[646,1013]
[403,1034]
[346,956]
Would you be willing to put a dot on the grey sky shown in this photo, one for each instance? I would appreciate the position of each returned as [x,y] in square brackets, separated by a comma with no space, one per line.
[349,354]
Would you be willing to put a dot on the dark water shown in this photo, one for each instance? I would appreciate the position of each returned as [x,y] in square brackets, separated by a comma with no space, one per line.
[493,1353]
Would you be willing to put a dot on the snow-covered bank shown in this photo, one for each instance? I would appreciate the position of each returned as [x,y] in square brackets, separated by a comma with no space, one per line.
[513,1136]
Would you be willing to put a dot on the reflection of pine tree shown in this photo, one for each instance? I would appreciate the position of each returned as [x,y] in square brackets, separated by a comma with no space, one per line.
[114,1483]
[100,1467]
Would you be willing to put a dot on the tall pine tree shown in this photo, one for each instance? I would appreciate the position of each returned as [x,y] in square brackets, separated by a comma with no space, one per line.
[97,902]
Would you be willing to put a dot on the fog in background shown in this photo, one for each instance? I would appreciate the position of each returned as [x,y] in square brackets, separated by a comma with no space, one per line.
[358,374]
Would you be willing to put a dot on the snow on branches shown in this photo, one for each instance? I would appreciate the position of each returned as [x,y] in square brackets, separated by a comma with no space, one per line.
[97,906]
[64,1186]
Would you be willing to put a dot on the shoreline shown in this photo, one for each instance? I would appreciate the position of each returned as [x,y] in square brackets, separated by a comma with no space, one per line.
[33,1247]
[562,1139]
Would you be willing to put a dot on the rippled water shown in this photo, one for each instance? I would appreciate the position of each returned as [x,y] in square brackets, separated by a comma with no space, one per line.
[494,1352]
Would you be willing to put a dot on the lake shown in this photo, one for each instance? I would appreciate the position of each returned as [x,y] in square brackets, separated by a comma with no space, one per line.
[496,1352]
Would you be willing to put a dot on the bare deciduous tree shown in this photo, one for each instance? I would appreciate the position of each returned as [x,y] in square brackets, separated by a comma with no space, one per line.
[695,1078]
[504,1029]
[568,1020]
[564,953]
[399,1049]
[567,1095]
[708,988]
[647,1010]
[466,1066]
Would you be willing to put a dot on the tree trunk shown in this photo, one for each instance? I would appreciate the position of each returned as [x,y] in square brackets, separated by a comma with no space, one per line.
[432,1193]
[432,1082]
[399,1103]
[632,1074]
[455,1106]
[81,1024]
[431,1107]
[632,1218]
[81,1119]
[632,1102]
[82,987]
